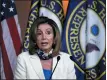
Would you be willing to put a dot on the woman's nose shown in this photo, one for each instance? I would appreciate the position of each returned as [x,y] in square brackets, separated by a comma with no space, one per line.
[43,36]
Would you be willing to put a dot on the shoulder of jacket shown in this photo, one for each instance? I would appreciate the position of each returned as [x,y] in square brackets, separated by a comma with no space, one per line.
[66,58]
[64,54]
[24,54]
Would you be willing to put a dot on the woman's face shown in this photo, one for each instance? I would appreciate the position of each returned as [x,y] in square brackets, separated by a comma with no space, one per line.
[45,37]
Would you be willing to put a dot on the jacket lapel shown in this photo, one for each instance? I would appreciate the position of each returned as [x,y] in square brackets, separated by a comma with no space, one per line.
[54,62]
[35,62]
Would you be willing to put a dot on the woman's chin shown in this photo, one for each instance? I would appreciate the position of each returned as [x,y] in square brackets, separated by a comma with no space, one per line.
[45,49]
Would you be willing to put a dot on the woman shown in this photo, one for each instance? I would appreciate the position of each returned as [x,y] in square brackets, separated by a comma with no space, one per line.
[44,60]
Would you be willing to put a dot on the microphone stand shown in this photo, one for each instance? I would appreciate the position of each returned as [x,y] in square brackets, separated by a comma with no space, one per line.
[58,58]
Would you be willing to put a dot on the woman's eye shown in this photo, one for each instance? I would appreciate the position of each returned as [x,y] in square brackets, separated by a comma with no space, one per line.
[48,32]
[38,33]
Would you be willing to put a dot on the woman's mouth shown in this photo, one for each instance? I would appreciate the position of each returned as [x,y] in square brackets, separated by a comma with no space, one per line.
[44,43]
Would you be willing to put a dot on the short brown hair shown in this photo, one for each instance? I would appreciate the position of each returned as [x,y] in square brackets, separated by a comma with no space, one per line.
[41,20]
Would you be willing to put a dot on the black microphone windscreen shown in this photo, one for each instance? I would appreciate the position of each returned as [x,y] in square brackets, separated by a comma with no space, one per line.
[71,57]
[58,58]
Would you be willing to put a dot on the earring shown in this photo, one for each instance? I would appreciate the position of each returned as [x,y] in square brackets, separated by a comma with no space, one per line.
[35,43]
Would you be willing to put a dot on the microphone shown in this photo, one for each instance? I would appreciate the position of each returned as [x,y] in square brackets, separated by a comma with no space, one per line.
[58,58]
[71,57]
